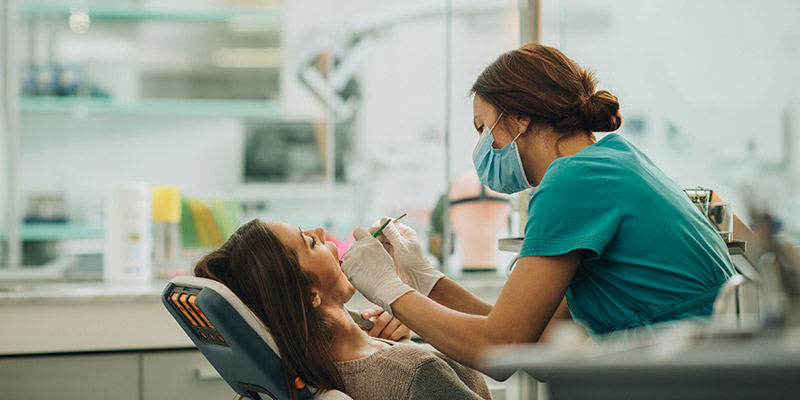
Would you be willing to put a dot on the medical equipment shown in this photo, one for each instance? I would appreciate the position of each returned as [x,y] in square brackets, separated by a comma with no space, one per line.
[378,232]
[778,265]
[233,339]
[360,321]
[511,244]
[719,214]
[477,215]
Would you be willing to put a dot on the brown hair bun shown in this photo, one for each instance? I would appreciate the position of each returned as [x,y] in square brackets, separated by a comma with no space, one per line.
[542,83]
[600,112]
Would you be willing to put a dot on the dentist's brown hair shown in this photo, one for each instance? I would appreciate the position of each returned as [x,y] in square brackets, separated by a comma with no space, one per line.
[540,82]
[266,275]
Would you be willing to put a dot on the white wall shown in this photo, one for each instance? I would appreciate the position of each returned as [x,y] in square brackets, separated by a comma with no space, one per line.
[713,82]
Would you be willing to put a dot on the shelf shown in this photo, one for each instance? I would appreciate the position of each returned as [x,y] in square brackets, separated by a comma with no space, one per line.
[43,231]
[271,18]
[294,191]
[80,105]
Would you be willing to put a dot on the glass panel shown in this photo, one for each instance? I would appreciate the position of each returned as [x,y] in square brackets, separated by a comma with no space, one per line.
[481,32]
[395,55]
[707,88]
[397,161]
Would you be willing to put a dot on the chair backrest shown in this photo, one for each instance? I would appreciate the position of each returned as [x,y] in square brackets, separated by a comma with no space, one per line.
[232,339]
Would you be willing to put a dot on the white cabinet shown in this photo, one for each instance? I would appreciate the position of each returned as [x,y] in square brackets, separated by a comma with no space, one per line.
[181,375]
[155,375]
[85,377]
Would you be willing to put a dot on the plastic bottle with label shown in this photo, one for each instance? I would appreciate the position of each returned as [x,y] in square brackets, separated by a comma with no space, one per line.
[128,245]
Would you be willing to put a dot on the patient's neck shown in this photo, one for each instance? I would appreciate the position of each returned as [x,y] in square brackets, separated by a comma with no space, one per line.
[349,341]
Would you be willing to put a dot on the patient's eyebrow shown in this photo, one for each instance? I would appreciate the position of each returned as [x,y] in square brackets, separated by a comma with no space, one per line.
[303,237]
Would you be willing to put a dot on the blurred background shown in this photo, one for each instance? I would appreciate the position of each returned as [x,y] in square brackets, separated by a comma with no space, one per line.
[136,135]
[335,113]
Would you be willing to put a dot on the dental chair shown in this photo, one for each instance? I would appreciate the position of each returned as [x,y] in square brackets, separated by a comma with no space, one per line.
[233,340]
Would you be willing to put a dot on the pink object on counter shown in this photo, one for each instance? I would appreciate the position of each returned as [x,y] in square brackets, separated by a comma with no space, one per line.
[477,215]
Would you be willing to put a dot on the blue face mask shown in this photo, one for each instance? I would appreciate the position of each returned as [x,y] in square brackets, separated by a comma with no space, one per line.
[499,169]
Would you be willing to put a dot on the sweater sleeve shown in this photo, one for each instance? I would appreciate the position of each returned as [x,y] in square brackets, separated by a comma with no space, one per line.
[435,380]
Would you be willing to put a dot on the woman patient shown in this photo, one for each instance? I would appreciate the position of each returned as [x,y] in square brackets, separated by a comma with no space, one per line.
[293,282]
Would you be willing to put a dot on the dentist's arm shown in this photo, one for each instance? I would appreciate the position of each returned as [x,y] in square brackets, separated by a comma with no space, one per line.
[413,268]
[455,297]
[528,301]
[526,304]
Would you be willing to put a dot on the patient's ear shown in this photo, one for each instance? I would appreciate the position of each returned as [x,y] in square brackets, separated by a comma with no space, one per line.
[315,299]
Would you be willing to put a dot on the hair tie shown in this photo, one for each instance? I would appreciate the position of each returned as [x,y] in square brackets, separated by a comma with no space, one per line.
[582,100]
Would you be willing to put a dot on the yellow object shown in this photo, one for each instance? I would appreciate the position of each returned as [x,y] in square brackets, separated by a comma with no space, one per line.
[207,230]
[166,204]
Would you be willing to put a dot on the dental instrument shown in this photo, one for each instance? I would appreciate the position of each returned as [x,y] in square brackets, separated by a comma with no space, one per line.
[360,321]
[378,232]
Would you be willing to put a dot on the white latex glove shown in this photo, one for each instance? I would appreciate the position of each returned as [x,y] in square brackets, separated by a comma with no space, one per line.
[371,270]
[409,257]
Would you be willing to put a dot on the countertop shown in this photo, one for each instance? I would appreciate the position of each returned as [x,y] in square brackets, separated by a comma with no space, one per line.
[485,285]
[92,316]
[30,293]
[683,363]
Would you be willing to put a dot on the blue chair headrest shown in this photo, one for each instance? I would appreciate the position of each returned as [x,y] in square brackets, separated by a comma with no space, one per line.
[230,336]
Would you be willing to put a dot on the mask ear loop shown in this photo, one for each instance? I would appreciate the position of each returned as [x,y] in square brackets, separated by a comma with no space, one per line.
[498,121]
[524,175]
[518,135]
[495,122]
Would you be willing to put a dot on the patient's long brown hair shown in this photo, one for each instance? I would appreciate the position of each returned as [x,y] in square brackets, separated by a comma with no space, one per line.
[267,276]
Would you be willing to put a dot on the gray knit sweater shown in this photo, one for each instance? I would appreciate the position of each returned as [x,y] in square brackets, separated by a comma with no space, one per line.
[410,371]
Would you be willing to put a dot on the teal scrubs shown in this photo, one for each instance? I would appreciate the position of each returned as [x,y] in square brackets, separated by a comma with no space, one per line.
[652,256]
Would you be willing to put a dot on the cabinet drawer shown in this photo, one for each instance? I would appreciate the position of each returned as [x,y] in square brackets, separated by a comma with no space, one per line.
[181,374]
[84,377]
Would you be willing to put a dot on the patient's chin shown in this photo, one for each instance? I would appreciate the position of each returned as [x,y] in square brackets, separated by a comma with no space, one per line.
[350,290]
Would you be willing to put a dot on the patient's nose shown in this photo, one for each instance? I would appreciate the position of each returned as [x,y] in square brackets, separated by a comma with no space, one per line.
[317,233]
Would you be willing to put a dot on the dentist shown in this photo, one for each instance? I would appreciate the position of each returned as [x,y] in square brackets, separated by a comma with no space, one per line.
[610,236]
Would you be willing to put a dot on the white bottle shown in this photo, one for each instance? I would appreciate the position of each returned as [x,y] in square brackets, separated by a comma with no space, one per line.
[128,233]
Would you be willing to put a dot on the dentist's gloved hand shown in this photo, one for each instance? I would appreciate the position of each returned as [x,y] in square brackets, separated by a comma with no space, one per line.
[371,270]
[413,266]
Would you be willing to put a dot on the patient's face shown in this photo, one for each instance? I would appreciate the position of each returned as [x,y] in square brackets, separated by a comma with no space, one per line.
[319,257]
